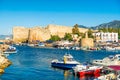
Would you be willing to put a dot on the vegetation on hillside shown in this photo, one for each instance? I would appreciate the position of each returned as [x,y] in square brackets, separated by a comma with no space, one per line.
[75,30]
[68,37]
[90,33]
[55,38]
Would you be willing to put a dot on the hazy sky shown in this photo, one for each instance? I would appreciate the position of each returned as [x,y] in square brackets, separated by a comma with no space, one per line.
[31,13]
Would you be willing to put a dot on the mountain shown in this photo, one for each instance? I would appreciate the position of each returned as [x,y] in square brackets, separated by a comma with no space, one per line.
[113,24]
[81,26]
[4,36]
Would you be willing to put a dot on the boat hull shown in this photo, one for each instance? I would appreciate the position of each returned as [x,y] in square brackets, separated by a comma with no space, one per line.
[63,65]
[10,52]
[95,73]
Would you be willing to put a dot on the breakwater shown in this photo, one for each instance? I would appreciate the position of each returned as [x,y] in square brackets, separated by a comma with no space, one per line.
[4,61]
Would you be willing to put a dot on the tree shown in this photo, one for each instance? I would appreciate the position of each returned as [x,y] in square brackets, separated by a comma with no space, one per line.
[75,30]
[103,29]
[68,37]
[90,33]
[54,38]
[118,31]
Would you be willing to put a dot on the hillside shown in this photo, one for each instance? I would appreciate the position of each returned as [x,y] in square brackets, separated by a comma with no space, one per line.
[4,36]
[82,26]
[113,24]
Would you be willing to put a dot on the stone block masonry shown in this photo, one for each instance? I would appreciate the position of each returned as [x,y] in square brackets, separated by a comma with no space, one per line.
[21,34]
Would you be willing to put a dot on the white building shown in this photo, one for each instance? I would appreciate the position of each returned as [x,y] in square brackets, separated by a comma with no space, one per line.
[107,36]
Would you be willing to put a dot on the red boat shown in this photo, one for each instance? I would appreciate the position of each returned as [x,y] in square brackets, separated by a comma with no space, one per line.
[85,72]
[95,73]
[81,70]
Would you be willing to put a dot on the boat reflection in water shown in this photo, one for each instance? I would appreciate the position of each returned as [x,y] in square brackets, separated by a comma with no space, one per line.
[69,74]
[66,73]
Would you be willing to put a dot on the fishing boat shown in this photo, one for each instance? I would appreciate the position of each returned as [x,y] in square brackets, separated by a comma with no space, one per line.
[10,49]
[68,62]
[110,60]
[90,70]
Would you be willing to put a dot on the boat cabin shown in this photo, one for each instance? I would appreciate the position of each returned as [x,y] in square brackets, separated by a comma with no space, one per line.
[68,57]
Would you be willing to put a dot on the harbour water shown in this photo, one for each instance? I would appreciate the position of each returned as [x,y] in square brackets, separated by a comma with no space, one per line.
[34,63]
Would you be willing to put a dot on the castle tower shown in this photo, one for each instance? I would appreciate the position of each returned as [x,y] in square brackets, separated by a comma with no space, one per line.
[87,42]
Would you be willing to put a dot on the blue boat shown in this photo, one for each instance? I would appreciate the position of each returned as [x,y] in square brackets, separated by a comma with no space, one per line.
[67,63]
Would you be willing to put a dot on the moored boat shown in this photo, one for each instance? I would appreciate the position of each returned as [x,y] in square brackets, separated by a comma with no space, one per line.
[68,62]
[83,70]
[10,49]
[110,48]
[110,60]
[110,73]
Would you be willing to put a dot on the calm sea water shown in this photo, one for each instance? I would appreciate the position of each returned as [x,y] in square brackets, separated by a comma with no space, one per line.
[34,63]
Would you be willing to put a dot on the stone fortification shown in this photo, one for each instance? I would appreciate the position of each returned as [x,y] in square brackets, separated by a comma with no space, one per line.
[20,34]
[87,42]
[59,30]
[83,30]
[38,33]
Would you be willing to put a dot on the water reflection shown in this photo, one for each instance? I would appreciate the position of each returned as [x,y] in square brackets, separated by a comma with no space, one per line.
[67,74]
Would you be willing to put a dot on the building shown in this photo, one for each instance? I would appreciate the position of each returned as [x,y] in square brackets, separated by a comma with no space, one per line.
[105,37]
[87,42]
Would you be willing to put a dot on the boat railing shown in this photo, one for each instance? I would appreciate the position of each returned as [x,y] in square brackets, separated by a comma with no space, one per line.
[55,60]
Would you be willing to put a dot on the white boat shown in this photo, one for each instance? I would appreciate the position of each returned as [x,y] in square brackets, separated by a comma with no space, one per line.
[110,76]
[110,60]
[9,52]
[31,45]
[41,45]
[67,63]
[110,73]
[67,47]
[10,49]
[110,48]
[75,48]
